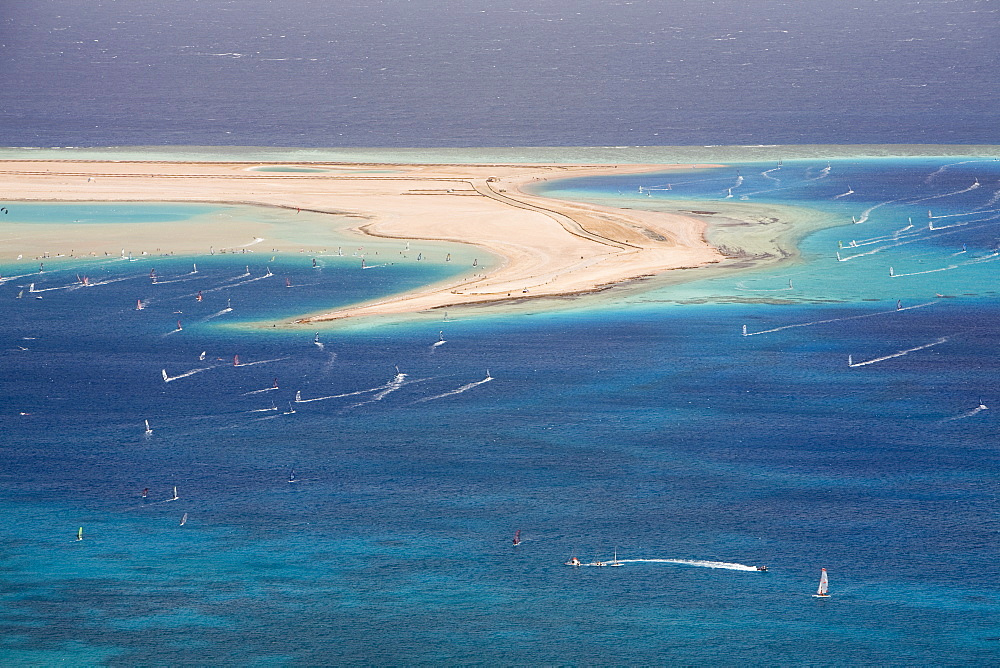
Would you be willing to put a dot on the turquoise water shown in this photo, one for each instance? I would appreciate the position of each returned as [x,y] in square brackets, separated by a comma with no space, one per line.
[647,426]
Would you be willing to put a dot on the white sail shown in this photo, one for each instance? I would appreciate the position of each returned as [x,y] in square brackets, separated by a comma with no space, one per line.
[823,585]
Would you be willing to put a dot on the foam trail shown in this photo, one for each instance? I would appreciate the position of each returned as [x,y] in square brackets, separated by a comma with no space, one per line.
[742,286]
[993,200]
[892,274]
[967,213]
[850,317]
[14,278]
[256,240]
[266,389]
[766,174]
[111,280]
[72,286]
[823,173]
[464,388]
[693,562]
[942,168]
[867,212]
[975,411]
[263,410]
[175,280]
[300,400]
[276,359]
[170,379]
[328,364]
[397,382]
[957,192]
[985,258]
[850,191]
[900,353]
[224,311]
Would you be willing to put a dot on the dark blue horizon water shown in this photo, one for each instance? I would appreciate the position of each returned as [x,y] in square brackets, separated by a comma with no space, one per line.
[644,424]
[469,73]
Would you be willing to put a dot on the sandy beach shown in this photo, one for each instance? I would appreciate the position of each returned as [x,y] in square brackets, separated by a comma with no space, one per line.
[546,247]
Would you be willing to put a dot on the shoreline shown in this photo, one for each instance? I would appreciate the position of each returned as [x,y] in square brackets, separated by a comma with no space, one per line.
[548,247]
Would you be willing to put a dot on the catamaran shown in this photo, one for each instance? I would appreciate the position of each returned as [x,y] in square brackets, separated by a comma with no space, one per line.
[615,561]
[823,586]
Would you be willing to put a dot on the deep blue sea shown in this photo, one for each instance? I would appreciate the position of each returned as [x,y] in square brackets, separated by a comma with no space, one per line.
[371,521]
[474,73]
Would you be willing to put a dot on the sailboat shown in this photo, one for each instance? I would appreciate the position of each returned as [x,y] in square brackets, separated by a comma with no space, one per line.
[149,431]
[166,378]
[79,533]
[615,561]
[288,283]
[175,497]
[291,476]
[179,328]
[201,357]
[139,305]
[823,586]
[236,360]
[199,297]
[184,519]
[517,538]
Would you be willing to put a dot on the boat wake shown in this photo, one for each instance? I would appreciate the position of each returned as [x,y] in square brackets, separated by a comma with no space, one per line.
[397,382]
[460,390]
[893,274]
[851,363]
[823,322]
[228,309]
[266,389]
[957,192]
[169,379]
[276,359]
[300,400]
[975,411]
[693,562]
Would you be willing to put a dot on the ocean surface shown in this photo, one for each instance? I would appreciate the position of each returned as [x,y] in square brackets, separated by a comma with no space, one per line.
[472,73]
[349,496]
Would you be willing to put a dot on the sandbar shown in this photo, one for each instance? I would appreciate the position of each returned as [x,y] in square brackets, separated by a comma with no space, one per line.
[546,247]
